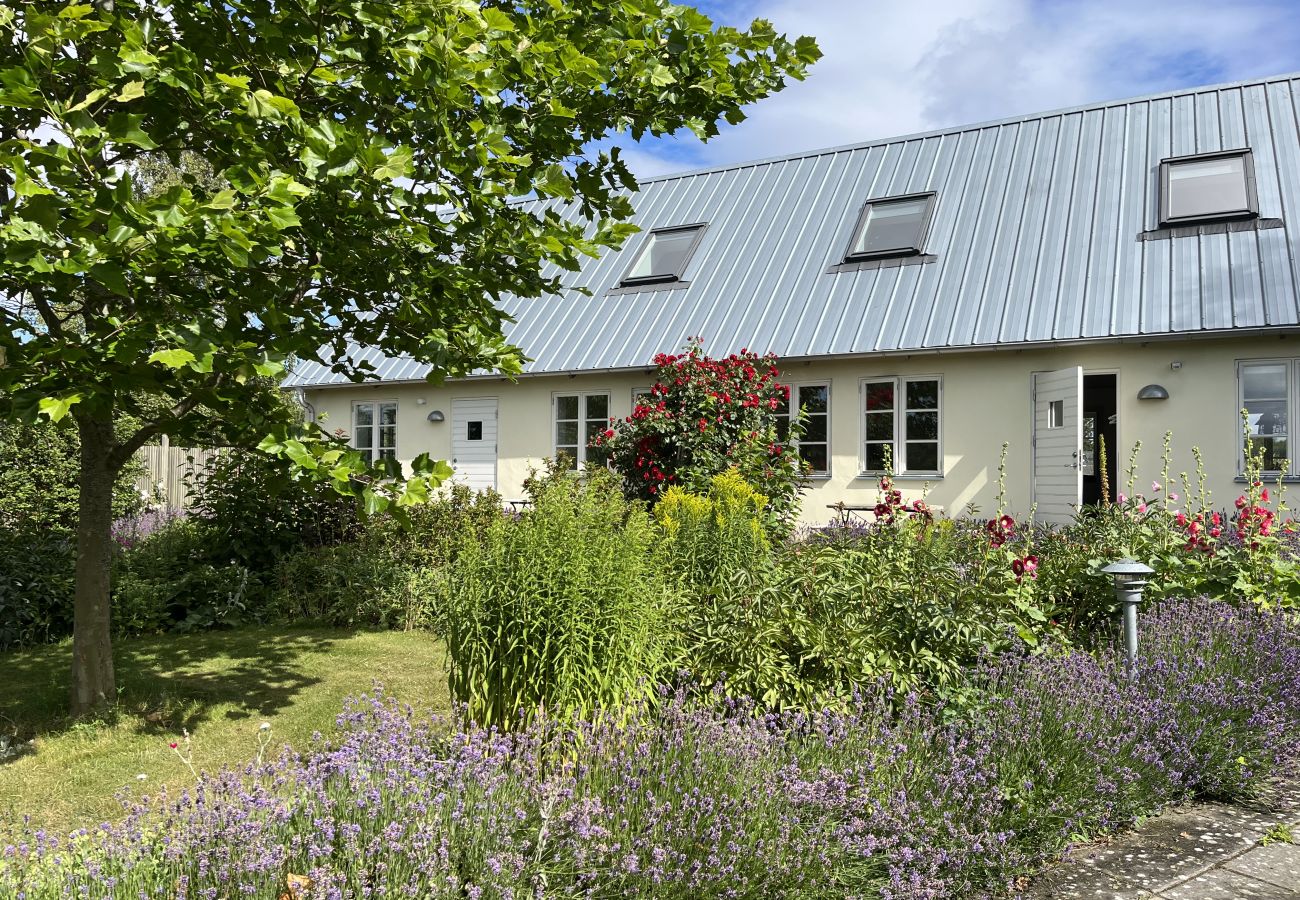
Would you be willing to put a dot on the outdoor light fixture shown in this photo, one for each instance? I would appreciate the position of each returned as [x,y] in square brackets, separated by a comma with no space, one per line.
[436,416]
[1130,577]
[1153,392]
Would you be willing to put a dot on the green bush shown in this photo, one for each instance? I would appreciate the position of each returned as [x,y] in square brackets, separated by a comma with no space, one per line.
[168,581]
[256,511]
[36,587]
[563,608]
[40,471]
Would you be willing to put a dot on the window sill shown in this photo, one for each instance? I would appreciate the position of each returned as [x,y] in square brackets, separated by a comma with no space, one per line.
[1268,478]
[816,476]
[905,476]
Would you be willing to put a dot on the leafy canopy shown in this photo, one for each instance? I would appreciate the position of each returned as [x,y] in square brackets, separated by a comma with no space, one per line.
[357,171]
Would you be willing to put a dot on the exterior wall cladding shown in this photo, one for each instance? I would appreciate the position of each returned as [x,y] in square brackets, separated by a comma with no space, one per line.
[986,401]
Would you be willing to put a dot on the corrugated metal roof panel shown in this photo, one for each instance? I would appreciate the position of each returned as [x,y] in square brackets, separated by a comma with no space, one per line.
[1035,238]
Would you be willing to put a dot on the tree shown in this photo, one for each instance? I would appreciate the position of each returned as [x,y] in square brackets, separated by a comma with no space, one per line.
[368,156]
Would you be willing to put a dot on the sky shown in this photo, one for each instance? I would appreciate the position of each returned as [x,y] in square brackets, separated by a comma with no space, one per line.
[897,68]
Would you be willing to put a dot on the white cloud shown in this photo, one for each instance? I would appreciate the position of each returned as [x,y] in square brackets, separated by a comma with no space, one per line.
[895,68]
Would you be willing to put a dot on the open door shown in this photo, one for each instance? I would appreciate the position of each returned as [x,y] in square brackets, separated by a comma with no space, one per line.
[1057,486]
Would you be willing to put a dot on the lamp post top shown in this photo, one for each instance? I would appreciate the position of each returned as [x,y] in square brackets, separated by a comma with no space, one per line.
[1128,567]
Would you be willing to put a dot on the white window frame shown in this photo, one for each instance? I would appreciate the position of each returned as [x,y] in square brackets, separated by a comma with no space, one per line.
[1291,403]
[580,455]
[899,441]
[638,392]
[374,449]
[792,412]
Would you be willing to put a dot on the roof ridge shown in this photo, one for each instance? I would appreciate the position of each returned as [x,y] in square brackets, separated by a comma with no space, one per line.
[974,126]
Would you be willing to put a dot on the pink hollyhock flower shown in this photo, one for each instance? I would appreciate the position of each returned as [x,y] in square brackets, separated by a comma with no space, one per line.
[1155,487]
[1263,495]
[1173,498]
[1120,498]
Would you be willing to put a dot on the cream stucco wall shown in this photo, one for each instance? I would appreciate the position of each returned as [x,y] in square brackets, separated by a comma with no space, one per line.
[986,400]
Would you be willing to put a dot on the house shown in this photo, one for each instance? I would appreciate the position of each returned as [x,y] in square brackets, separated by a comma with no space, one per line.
[1107,273]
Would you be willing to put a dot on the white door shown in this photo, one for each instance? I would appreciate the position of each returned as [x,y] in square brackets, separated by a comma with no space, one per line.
[1058,444]
[474,442]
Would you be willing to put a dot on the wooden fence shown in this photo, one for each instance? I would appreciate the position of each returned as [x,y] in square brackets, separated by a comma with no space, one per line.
[167,469]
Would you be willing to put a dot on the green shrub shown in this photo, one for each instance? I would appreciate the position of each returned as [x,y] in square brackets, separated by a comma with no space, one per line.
[168,581]
[362,584]
[563,608]
[39,475]
[36,587]
[256,511]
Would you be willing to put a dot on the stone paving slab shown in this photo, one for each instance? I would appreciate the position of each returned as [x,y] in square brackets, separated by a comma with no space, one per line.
[1207,851]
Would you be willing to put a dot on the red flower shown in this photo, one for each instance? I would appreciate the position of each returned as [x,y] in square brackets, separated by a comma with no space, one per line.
[172,745]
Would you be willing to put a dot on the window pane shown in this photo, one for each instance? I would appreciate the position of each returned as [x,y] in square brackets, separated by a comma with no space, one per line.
[880,426]
[922,426]
[1264,382]
[388,414]
[566,434]
[922,457]
[815,428]
[880,395]
[367,456]
[923,395]
[363,414]
[598,407]
[892,225]
[1056,414]
[594,428]
[814,398]
[473,431]
[1205,187]
[387,437]
[664,255]
[815,456]
[363,437]
[566,407]
[876,457]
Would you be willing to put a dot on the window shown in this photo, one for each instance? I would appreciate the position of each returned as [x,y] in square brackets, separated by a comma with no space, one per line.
[578,419]
[1056,414]
[474,431]
[374,430]
[1267,398]
[901,425]
[892,226]
[1207,187]
[814,447]
[664,254]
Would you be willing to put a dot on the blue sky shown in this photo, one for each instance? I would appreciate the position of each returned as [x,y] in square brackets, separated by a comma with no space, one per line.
[893,68]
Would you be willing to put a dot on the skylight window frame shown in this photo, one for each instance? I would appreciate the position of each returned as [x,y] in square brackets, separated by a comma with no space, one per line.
[648,242]
[921,237]
[1251,209]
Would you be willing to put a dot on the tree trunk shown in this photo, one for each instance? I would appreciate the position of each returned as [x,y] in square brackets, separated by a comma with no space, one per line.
[93,684]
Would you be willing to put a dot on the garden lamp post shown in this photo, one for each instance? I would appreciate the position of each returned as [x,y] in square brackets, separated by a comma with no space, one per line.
[1130,577]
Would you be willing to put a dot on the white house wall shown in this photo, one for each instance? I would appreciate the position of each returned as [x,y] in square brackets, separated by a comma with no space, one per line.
[985,401]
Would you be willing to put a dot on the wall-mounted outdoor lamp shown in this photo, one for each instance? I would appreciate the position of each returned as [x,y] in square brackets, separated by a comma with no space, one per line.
[1153,392]
[436,416]
[1130,577]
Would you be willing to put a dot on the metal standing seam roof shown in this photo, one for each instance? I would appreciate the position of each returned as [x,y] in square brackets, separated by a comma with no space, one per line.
[1035,239]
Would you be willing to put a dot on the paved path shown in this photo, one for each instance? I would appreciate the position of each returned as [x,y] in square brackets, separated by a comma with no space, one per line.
[1206,851]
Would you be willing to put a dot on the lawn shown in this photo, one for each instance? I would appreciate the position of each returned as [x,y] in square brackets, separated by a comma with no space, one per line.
[220,686]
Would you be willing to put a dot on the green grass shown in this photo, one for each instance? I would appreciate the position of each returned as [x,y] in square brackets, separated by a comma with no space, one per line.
[220,686]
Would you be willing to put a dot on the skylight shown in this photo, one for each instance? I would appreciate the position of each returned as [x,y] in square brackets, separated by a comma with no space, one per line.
[892,226]
[664,254]
[1207,187]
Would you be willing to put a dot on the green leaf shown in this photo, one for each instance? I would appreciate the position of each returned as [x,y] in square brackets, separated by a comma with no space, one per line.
[57,407]
[175,358]
[132,90]
[299,454]
[124,128]
[111,276]
[661,75]
[498,20]
[396,164]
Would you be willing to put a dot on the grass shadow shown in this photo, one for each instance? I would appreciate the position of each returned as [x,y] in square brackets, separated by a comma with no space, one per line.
[169,682]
